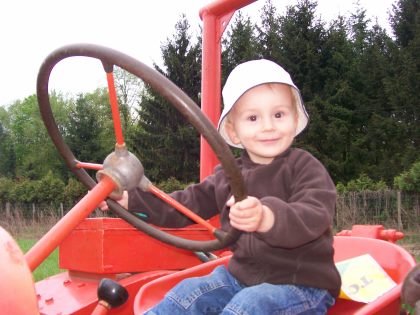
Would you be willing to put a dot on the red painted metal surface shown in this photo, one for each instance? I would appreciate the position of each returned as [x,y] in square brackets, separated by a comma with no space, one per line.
[107,246]
[73,293]
[90,166]
[373,231]
[114,108]
[215,18]
[16,284]
[393,259]
[111,248]
[45,246]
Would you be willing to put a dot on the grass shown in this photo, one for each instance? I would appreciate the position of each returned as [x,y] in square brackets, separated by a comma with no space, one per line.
[26,233]
[48,267]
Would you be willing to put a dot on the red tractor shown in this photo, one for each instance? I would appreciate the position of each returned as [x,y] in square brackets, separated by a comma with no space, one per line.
[123,265]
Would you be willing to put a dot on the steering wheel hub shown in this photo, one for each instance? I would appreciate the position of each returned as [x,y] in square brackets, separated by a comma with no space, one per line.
[125,169]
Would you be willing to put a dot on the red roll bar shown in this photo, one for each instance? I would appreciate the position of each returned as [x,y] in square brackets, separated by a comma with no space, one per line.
[216,17]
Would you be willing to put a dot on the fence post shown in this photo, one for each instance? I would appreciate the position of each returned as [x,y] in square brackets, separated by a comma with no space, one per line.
[336,210]
[33,212]
[7,209]
[400,225]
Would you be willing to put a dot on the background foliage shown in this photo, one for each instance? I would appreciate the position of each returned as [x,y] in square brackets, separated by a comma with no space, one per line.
[360,86]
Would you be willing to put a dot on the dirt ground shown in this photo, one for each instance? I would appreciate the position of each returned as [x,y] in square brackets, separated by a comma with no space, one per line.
[414,249]
[411,242]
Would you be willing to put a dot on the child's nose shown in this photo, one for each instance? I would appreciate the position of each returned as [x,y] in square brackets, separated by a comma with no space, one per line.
[267,123]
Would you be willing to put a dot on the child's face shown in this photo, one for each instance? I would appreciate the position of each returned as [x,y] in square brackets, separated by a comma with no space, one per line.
[264,121]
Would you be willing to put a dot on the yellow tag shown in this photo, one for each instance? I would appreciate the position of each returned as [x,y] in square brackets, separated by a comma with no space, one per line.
[363,279]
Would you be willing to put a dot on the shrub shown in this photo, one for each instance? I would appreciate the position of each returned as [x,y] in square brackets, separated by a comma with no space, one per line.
[410,180]
[6,186]
[74,191]
[171,184]
[23,190]
[362,183]
[50,189]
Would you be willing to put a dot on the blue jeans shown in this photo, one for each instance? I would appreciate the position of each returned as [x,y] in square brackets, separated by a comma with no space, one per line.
[221,293]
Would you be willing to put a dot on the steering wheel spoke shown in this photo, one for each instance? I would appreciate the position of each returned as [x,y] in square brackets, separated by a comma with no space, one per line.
[184,210]
[114,107]
[89,166]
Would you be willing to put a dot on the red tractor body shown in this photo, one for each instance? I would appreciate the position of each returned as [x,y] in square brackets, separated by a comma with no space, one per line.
[93,249]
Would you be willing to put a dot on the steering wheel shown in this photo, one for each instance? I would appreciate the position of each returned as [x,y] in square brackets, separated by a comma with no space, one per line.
[121,164]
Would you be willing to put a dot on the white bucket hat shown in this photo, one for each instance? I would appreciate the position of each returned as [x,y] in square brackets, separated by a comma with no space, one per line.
[250,74]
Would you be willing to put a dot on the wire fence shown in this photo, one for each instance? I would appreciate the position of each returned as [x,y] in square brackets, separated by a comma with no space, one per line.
[391,208]
[38,211]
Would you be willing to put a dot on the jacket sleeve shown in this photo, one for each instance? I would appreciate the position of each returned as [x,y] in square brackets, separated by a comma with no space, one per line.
[199,198]
[309,212]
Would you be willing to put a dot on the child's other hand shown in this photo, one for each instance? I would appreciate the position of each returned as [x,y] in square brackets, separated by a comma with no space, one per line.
[123,202]
[250,215]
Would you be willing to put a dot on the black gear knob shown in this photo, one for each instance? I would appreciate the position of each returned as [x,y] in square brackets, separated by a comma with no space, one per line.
[112,292]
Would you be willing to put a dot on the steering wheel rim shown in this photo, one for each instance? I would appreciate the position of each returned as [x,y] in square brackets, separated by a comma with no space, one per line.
[175,96]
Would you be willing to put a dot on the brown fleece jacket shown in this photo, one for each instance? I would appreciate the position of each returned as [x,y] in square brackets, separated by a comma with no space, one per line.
[297,249]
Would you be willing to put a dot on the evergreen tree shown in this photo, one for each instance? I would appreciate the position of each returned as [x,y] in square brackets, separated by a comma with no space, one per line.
[402,86]
[302,36]
[382,137]
[239,44]
[88,131]
[167,144]
[268,33]
[405,21]
[329,133]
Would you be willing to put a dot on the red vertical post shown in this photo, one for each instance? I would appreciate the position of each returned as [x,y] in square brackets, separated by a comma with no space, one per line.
[215,18]
[210,88]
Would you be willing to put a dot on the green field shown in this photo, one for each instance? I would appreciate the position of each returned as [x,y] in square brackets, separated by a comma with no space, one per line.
[48,267]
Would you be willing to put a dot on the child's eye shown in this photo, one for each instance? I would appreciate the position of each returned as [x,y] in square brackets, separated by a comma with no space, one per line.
[278,115]
[252,118]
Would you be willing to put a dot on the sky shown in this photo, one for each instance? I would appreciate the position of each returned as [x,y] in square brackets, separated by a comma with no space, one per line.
[30,30]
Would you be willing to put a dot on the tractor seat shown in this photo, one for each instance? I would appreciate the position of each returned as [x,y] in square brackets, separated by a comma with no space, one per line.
[395,260]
